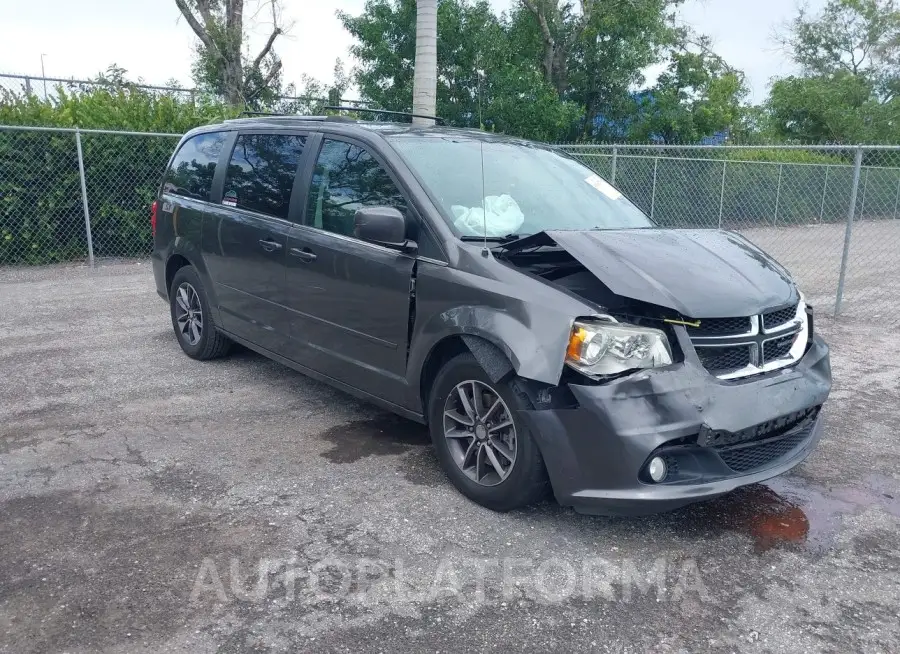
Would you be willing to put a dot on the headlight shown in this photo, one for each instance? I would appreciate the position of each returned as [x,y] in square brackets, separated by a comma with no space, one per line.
[608,348]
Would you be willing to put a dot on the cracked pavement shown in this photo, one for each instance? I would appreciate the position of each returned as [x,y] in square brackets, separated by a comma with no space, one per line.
[149,502]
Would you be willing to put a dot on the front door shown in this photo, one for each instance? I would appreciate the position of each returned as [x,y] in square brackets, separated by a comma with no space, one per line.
[245,245]
[349,300]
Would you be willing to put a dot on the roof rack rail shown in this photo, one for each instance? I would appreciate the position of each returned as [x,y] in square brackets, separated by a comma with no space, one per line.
[257,114]
[406,114]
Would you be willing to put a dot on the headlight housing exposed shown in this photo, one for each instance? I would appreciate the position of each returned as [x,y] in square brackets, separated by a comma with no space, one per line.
[608,348]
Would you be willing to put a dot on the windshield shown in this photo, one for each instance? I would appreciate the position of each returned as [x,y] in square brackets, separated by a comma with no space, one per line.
[520,189]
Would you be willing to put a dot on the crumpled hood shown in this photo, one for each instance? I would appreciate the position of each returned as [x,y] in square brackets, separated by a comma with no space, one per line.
[698,273]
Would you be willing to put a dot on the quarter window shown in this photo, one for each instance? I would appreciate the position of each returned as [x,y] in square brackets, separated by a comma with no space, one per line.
[192,170]
[347,178]
[261,172]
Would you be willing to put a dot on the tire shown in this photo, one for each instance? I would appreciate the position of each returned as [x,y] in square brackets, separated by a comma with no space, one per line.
[211,343]
[526,480]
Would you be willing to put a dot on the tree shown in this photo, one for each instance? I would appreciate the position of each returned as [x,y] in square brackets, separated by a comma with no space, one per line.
[859,37]
[425,76]
[559,28]
[595,56]
[483,77]
[849,89]
[314,95]
[222,65]
[839,108]
[698,95]
[546,70]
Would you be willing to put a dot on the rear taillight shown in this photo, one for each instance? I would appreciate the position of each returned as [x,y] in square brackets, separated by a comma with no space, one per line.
[153,208]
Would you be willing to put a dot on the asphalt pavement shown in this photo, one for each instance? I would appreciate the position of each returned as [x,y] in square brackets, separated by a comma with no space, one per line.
[149,502]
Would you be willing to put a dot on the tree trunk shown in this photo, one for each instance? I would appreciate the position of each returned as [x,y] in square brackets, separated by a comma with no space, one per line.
[425,79]
[234,80]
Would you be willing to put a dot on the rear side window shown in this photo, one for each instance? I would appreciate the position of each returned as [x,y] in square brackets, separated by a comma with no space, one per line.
[261,172]
[192,170]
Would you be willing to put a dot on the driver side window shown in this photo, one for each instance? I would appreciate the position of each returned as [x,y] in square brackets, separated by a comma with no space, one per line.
[347,178]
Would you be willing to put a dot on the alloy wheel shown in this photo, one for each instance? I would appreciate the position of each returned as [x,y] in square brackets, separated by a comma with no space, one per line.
[480,432]
[188,314]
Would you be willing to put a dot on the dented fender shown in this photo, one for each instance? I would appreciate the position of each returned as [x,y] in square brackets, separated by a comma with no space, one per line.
[527,320]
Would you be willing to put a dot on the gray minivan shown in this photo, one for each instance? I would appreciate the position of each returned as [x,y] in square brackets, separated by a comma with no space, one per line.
[551,337]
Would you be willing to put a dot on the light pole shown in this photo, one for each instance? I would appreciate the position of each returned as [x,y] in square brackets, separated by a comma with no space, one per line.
[44,76]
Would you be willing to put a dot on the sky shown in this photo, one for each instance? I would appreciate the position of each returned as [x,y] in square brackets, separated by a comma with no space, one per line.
[150,39]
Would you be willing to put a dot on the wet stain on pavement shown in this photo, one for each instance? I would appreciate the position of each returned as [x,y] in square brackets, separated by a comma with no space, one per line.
[384,435]
[787,513]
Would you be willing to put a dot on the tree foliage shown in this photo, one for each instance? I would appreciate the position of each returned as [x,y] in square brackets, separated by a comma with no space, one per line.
[849,89]
[698,95]
[482,81]
[596,55]
[550,69]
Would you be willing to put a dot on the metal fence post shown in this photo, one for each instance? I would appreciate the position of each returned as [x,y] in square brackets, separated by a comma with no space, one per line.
[615,158]
[897,200]
[862,208]
[824,195]
[778,193]
[851,213]
[84,198]
[722,192]
[653,193]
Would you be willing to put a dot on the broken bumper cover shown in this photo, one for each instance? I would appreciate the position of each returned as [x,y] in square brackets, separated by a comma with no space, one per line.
[714,435]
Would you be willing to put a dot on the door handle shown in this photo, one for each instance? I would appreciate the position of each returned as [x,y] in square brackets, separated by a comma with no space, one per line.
[304,254]
[269,245]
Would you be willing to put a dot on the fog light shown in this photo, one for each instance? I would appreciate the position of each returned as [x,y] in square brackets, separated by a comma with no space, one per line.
[657,469]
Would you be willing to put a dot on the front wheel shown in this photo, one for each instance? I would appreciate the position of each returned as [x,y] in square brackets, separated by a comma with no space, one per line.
[481,443]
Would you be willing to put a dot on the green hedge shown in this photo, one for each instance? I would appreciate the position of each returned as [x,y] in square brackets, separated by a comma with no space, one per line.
[41,213]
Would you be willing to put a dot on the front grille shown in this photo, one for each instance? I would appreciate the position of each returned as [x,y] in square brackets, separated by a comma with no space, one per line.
[723,359]
[778,348]
[730,348]
[721,327]
[778,318]
[745,458]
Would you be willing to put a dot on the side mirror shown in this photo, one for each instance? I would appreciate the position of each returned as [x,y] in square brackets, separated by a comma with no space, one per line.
[382,225]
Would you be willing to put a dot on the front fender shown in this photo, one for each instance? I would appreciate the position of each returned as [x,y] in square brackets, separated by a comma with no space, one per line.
[536,351]
[528,321]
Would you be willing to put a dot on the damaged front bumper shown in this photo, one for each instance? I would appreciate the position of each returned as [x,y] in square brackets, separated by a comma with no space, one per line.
[714,435]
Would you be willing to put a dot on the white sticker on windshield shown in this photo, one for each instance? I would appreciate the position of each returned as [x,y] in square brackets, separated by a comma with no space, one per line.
[603,186]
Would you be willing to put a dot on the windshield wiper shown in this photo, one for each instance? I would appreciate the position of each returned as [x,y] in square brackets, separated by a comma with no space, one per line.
[509,238]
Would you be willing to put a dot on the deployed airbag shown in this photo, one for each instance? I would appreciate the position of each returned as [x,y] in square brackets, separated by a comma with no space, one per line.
[501,216]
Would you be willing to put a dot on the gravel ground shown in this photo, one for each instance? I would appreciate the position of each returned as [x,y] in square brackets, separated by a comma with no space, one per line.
[142,494]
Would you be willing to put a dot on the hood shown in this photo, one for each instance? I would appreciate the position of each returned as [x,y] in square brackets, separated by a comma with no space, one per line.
[698,273]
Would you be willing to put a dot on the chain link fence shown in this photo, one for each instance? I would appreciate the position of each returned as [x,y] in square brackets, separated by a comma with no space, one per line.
[69,194]
[831,215]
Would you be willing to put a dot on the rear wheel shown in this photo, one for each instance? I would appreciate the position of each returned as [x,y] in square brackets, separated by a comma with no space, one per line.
[192,320]
[482,445]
